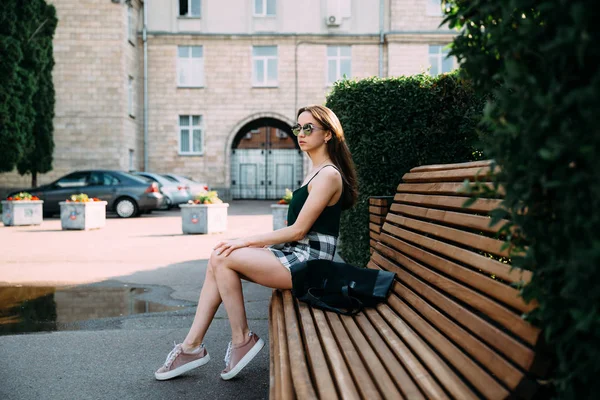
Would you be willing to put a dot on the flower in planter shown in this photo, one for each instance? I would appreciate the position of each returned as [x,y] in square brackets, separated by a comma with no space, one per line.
[287,198]
[81,198]
[23,196]
[206,198]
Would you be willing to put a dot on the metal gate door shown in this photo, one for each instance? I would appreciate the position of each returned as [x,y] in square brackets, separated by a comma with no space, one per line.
[265,174]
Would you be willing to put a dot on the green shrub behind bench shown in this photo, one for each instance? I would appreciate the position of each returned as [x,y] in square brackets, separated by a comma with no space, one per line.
[394,124]
[546,137]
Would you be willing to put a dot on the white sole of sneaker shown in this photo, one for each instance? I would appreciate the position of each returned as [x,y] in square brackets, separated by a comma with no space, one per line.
[244,361]
[183,369]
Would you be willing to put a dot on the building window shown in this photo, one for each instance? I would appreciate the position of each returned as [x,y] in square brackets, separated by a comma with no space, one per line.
[434,8]
[264,64]
[338,9]
[189,8]
[439,60]
[190,66]
[130,97]
[339,63]
[131,28]
[264,8]
[190,134]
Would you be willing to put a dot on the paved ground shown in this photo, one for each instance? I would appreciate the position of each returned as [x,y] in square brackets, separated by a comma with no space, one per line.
[110,358]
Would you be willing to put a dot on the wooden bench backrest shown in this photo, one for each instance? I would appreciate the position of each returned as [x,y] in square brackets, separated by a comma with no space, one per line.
[378,209]
[460,319]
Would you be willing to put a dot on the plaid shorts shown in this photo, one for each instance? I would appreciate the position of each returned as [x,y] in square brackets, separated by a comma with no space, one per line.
[313,246]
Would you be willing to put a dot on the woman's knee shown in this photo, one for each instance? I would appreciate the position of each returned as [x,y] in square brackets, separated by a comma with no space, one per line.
[217,262]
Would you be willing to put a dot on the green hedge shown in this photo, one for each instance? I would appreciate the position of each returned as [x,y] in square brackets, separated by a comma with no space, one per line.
[392,125]
[541,60]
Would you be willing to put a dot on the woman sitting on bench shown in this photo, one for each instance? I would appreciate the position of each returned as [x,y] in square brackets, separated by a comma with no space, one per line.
[313,227]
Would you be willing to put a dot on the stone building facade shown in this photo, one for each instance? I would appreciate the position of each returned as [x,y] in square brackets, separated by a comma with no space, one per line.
[216,71]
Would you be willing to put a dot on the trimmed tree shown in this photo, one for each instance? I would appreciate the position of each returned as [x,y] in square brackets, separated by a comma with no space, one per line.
[16,90]
[38,157]
[394,124]
[26,87]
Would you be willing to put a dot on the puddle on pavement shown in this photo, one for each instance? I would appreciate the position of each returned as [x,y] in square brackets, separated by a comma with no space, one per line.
[26,309]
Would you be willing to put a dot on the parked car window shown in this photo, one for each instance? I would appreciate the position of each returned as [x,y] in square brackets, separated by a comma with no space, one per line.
[110,180]
[76,179]
[102,179]
[171,178]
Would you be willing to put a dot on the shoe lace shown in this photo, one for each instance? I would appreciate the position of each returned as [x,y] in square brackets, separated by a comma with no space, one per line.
[228,354]
[230,348]
[173,354]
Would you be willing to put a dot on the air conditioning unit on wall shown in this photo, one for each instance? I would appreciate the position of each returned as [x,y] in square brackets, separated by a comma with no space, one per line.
[333,20]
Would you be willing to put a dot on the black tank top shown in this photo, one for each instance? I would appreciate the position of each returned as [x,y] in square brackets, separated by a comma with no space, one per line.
[328,221]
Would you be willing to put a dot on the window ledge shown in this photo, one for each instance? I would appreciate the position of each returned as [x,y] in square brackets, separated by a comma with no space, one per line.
[190,87]
[191,154]
[265,16]
[275,86]
[188,17]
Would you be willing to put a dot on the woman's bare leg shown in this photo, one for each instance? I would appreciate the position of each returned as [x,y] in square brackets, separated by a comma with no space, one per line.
[208,305]
[258,265]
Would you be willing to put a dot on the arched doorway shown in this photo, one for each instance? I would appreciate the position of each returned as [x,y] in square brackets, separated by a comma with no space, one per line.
[265,160]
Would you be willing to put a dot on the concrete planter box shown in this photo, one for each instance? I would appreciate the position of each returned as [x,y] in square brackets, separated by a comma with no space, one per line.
[280,212]
[82,216]
[204,218]
[22,212]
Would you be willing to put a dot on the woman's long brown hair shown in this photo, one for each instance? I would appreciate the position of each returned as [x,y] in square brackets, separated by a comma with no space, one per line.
[338,151]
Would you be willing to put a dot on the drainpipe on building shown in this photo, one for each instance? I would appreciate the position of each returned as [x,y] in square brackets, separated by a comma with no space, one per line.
[145,39]
[381,37]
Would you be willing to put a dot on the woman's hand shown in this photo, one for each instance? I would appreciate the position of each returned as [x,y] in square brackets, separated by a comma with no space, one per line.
[225,248]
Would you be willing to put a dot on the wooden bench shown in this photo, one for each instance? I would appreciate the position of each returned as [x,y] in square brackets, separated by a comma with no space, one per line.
[452,327]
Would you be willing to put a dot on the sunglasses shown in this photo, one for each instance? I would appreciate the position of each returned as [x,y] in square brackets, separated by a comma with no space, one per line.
[307,129]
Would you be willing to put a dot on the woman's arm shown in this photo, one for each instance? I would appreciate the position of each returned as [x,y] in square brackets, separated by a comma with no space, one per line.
[321,190]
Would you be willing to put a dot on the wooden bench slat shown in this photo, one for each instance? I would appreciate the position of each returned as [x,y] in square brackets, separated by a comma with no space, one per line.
[493,310]
[492,267]
[470,221]
[376,219]
[315,355]
[287,390]
[478,377]
[520,354]
[449,175]
[374,227]
[378,210]
[392,366]
[412,364]
[495,364]
[381,377]
[381,200]
[448,202]
[441,188]
[362,378]
[300,376]
[372,243]
[443,167]
[438,367]
[493,288]
[341,374]
[479,242]
[274,338]
[374,236]
[489,307]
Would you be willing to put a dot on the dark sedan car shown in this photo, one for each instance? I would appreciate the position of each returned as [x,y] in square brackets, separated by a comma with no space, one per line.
[126,194]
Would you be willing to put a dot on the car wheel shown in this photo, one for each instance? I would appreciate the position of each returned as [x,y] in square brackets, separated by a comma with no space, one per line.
[168,203]
[126,208]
